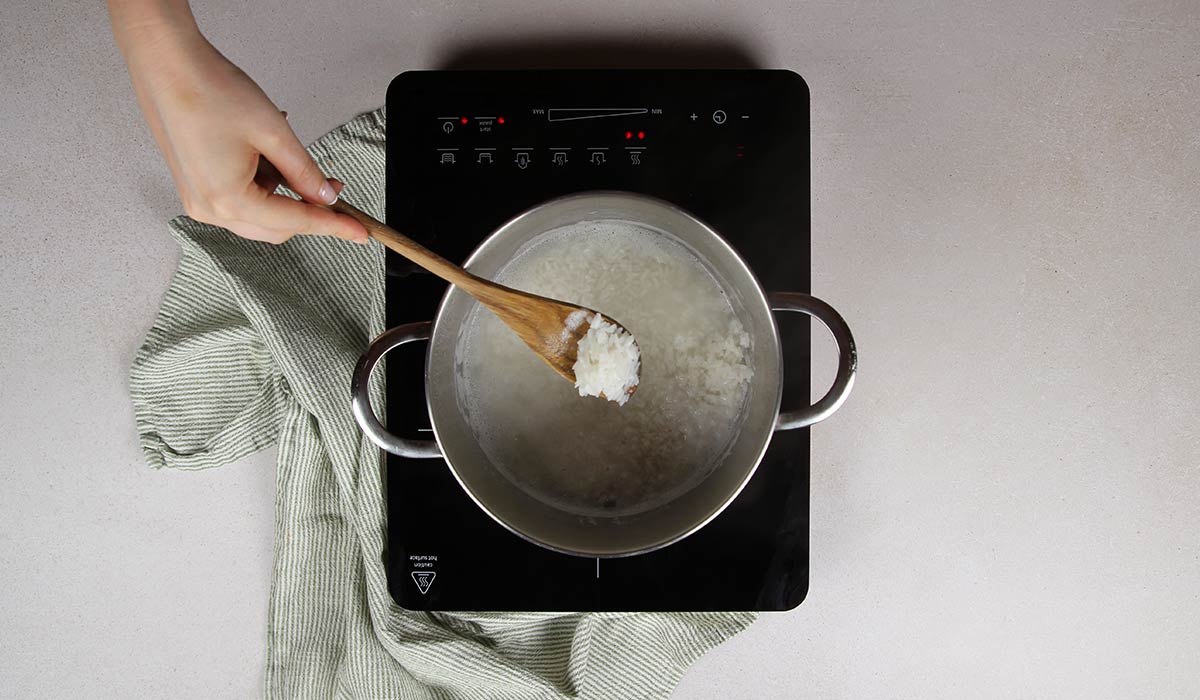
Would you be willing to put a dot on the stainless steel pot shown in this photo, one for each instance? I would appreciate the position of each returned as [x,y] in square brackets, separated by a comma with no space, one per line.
[543,523]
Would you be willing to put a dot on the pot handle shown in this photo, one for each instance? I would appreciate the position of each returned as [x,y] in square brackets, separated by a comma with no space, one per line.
[360,400]
[847,358]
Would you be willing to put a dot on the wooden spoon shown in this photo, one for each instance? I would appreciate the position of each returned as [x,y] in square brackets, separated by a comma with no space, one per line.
[542,323]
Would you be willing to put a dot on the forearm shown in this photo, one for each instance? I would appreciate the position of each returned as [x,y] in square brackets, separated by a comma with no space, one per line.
[155,25]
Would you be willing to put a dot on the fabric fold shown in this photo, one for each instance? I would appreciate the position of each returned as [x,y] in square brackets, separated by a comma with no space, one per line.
[255,344]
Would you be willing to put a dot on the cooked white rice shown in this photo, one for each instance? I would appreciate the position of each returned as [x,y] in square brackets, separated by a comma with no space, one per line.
[608,360]
[596,457]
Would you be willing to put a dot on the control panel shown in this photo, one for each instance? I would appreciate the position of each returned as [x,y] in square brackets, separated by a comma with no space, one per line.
[474,149]
[562,137]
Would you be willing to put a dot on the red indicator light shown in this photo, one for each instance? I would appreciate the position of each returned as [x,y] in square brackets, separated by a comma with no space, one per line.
[641,134]
[500,119]
[628,135]
[463,120]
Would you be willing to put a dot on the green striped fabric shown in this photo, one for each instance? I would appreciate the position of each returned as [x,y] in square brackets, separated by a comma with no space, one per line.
[253,345]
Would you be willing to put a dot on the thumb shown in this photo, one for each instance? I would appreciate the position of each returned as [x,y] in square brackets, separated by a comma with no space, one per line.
[280,146]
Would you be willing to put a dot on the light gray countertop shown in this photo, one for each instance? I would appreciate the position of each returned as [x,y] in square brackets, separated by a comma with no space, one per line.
[1006,208]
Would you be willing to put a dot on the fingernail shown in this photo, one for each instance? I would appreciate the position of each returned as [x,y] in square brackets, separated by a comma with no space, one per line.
[327,193]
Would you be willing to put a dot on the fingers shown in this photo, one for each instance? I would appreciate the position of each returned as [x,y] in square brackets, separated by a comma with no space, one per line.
[360,232]
[279,145]
[258,233]
[251,209]
[265,224]
[284,160]
[279,213]
[268,176]
[255,232]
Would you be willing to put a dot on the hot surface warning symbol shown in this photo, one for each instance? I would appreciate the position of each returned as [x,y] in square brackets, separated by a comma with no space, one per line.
[423,579]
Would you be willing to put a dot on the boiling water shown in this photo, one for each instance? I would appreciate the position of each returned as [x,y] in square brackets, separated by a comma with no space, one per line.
[591,456]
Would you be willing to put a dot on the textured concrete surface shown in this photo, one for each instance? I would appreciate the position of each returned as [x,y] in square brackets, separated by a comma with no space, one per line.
[1006,207]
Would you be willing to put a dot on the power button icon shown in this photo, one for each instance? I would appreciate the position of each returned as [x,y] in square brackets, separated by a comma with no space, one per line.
[719,116]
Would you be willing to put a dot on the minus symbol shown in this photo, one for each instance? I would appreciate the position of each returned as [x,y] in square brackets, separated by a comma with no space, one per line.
[745,116]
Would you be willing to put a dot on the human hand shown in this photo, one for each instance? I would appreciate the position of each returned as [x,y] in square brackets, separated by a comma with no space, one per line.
[227,145]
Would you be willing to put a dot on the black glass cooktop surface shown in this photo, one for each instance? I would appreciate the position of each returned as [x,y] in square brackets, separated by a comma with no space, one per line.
[466,151]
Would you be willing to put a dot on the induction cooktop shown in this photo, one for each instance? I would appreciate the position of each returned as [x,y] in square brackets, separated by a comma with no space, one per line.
[466,151]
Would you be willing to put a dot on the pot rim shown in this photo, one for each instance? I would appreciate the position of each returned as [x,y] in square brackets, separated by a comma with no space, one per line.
[758,297]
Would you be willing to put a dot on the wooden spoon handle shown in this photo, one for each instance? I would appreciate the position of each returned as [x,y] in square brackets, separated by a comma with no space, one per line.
[409,248]
[516,308]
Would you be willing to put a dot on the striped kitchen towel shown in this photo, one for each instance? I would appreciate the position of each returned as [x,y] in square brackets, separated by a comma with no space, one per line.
[254,345]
